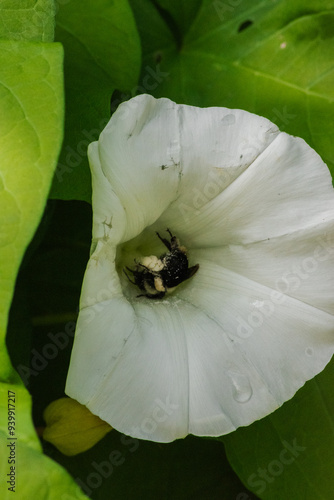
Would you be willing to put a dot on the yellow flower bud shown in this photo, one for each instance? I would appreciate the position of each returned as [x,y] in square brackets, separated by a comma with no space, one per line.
[71,427]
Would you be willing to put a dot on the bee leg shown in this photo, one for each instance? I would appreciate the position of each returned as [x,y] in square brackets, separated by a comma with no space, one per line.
[131,281]
[192,270]
[164,241]
[174,242]
[142,265]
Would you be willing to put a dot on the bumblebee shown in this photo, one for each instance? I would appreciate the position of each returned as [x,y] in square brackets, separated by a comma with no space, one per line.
[157,276]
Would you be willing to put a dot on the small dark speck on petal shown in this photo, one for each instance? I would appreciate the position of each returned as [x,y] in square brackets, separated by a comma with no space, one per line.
[163,167]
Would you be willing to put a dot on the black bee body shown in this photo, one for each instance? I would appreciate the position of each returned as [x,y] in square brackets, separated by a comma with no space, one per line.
[175,268]
[158,276]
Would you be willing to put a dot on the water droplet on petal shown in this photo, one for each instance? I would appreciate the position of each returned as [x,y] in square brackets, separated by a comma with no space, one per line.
[242,389]
[228,119]
[309,351]
[257,303]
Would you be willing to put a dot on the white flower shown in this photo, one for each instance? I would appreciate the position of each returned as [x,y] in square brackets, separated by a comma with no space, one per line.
[255,209]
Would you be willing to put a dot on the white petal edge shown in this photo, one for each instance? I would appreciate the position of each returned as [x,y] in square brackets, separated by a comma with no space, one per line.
[300,264]
[287,188]
[139,155]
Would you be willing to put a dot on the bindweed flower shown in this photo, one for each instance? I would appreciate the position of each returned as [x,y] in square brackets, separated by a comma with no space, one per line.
[252,209]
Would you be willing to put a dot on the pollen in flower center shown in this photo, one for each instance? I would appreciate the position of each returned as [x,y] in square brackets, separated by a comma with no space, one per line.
[152,263]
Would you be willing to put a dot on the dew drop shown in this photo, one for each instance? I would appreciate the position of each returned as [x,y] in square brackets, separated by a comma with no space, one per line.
[257,303]
[309,351]
[242,389]
[228,119]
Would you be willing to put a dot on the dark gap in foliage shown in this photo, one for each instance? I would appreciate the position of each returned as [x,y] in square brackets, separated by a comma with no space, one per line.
[46,299]
[166,16]
[245,25]
[117,97]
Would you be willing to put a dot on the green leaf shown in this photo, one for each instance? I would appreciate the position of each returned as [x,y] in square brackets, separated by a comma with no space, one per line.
[30,136]
[102,53]
[304,427]
[31,129]
[271,58]
[32,475]
[178,14]
[31,20]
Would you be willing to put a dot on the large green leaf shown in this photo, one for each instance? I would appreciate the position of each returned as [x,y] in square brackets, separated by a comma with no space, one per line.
[102,53]
[271,58]
[31,130]
[31,20]
[30,136]
[290,454]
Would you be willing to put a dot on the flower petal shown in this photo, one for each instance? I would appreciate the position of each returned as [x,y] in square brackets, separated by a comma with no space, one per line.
[141,148]
[168,150]
[285,189]
[157,384]
[108,211]
[142,369]
[268,346]
[218,145]
[300,264]
[229,357]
